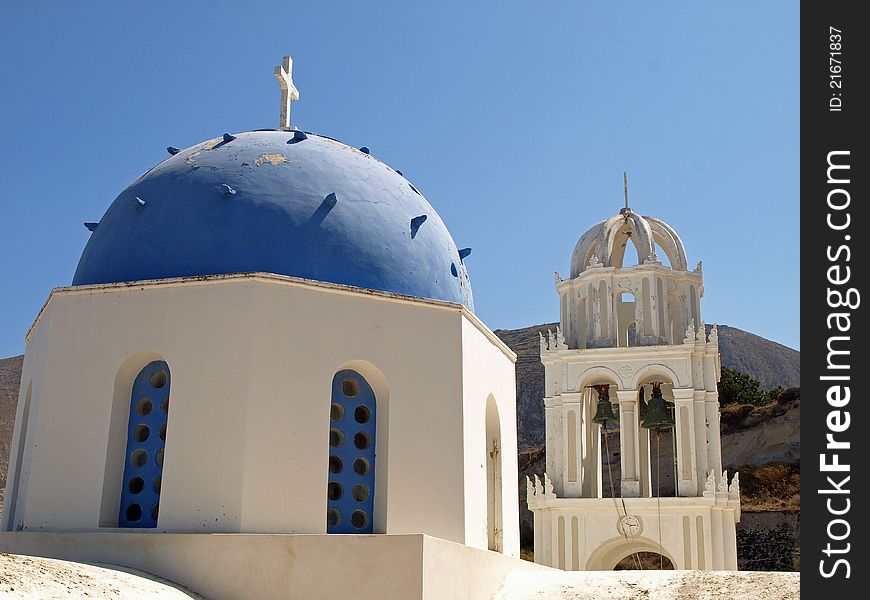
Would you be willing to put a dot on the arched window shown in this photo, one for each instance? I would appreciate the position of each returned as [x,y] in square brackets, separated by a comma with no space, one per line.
[352,426]
[146,437]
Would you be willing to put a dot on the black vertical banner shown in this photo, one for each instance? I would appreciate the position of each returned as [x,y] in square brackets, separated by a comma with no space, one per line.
[835,258]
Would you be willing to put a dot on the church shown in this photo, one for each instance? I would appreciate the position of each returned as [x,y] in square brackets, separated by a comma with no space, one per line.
[267,379]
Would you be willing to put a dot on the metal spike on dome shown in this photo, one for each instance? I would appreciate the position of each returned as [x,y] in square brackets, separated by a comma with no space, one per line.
[415,224]
[399,172]
[464,253]
[364,150]
[139,201]
[92,227]
[228,138]
[298,136]
[227,190]
[172,150]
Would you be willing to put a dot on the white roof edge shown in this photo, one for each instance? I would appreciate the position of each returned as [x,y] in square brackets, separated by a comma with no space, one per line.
[271,278]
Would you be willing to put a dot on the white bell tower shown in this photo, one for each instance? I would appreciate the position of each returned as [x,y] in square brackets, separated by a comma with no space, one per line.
[632,335]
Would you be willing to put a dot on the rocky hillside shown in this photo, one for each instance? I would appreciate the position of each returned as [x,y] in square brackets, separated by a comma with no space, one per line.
[770,363]
[10,380]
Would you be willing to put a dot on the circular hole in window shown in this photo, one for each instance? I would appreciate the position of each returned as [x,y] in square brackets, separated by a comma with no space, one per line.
[138,458]
[155,485]
[141,433]
[362,414]
[164,406]
[360,492]
[333,517]
[162,432]
[143,407]
[136,485]
[361,466]
[133,512]
[350,388]
[362,440]
[336,438]
[158,458]
[333,490]
[359,519]
[158,380]
[335,464]
[336,412]
[155,510]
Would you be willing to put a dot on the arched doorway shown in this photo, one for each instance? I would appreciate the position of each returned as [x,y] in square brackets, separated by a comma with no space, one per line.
[644,561]
[628,553]
[494,525]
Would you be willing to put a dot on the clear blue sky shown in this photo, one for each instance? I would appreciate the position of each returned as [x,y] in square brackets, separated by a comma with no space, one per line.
[516,120]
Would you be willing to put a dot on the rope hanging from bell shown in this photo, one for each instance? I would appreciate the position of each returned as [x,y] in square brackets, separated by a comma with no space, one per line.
[657,414]
[604,410]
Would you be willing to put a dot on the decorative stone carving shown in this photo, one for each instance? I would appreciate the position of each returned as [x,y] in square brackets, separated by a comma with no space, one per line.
[624,283]
[710,485]
[713,340]
[542,342]
[551,341]
[734,488]
[701,335]
[690,333]
[557,278]
[594,261]
[548,487]
[560,339]
[698,268]
[539,489]
[530,488]
[626,371]
[722,488]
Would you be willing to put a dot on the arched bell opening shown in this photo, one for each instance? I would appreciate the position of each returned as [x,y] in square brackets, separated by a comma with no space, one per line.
[606,417]
[657,427]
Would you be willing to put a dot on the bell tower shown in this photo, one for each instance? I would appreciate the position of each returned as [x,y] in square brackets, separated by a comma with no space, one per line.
[632,361]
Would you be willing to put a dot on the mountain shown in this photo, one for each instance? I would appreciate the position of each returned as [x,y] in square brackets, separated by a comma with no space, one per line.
[10,380]
[770,363]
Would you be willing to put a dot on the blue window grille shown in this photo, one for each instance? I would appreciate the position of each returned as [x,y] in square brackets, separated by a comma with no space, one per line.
[146,437]
[352,426]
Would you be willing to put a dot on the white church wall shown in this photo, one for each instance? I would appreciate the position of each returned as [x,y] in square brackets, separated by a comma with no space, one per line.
[488,372]
[252,359]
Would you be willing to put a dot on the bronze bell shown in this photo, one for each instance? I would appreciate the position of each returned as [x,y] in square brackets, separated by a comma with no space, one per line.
[642,405]
[657,414]
[604,411]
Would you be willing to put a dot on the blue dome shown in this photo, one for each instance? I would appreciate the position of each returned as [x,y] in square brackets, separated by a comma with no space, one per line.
[278,202]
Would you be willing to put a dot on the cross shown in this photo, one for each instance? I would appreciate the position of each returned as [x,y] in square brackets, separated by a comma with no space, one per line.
[625,183]
[289,93]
